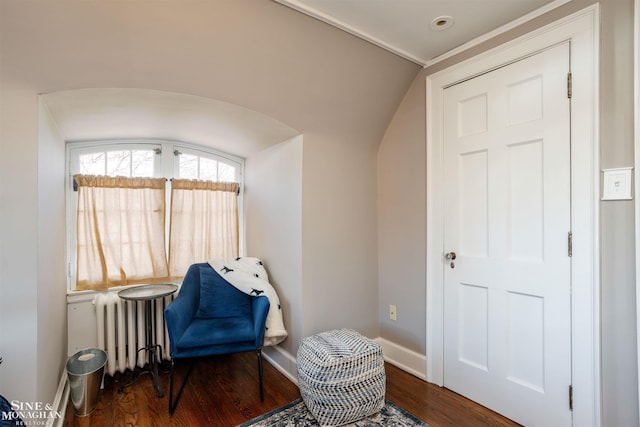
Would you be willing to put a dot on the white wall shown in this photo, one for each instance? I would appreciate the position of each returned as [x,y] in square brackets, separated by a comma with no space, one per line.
[402,223]
[340,244]
[311,216]
[617,242]
[273,206]
[52,308]
[32,285]
[18,240]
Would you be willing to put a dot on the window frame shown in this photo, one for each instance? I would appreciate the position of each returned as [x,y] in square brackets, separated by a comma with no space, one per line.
[165,166]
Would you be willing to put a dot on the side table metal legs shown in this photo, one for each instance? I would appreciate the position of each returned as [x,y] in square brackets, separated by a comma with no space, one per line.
[151,348]
[151,353]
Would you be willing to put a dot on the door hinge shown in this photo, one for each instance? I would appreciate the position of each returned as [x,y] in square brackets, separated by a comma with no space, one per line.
[569,86]
[571,397]
[570,244]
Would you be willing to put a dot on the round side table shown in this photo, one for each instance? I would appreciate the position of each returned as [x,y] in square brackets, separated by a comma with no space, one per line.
[148,293]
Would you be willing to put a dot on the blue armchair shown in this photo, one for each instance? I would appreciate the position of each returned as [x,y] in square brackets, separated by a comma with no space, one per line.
[208,317]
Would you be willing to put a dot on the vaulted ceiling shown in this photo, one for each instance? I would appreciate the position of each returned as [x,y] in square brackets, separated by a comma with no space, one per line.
[423,30]
[235,75]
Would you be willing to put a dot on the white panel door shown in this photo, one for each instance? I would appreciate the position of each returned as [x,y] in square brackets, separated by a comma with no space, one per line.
[507,319]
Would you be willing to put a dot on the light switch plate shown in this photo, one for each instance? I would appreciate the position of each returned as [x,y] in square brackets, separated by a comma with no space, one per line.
[616,184]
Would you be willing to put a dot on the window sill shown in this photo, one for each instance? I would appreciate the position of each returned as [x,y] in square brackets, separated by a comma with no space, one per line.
[74,296]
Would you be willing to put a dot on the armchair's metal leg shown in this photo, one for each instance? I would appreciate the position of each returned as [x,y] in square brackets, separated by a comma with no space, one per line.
[174,403]
[171,386]
[260,374]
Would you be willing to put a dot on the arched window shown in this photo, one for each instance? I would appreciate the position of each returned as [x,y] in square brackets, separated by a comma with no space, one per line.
[119,234]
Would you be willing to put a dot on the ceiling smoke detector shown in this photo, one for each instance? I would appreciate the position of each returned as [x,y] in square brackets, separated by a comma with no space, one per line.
[442,23]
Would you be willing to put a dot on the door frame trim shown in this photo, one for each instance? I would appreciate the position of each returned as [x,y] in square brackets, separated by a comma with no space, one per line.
[582,30]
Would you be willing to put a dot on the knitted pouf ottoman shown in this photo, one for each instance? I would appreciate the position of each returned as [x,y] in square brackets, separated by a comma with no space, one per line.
[341,376]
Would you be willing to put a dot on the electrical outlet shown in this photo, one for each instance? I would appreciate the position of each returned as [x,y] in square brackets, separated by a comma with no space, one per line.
[393,312]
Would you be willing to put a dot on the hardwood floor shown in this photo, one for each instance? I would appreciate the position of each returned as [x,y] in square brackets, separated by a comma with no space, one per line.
[223,391]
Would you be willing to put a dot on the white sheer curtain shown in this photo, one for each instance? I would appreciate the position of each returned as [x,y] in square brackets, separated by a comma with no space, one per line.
[204,223]
[121,231]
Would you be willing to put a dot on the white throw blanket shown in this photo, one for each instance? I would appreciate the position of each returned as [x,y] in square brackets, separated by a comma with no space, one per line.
[248,275]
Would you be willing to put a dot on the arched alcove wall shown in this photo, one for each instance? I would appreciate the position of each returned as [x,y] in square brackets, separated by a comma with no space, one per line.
[315,201]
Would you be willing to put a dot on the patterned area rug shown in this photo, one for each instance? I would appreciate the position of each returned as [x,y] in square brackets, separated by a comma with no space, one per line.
[296,414]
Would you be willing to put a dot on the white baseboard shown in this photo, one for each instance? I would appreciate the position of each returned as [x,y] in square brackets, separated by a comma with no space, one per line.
[283,361]
[405,359]
[60,402]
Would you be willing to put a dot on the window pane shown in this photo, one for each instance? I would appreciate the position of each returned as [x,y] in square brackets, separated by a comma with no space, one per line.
[142,163]
[119,163]
[208,169]
[226,173]
[92,164]
[188,166]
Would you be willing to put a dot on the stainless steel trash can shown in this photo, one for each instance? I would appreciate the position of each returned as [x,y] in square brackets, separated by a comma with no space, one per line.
[85,370]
